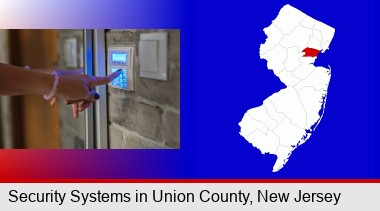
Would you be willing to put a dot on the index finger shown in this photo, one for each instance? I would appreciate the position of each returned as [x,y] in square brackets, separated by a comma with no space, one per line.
[97,81]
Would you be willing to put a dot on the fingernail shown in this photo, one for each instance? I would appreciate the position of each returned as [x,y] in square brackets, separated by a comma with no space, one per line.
[97,96]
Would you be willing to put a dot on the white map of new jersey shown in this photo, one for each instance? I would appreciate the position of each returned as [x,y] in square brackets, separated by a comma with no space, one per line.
[287,119]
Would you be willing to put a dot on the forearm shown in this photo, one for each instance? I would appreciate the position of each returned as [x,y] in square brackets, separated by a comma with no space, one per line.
[18,81]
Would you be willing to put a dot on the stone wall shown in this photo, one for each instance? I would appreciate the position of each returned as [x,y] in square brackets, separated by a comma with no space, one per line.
[149,117]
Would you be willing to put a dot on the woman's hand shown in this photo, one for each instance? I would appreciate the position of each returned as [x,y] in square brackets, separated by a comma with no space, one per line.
[75,104]
[78,89]
[60,72]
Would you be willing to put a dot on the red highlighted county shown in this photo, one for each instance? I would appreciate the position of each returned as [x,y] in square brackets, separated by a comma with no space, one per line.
[310,52]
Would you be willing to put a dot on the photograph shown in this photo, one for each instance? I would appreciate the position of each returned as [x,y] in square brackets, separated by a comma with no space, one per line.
[90,88]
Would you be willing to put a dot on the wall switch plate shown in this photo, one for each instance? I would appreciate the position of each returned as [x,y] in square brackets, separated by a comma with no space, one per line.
[153,55]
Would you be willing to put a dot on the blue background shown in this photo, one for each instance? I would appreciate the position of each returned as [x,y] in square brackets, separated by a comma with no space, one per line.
[231,78]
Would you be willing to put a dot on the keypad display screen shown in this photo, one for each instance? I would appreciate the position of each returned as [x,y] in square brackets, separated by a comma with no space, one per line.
[119,57]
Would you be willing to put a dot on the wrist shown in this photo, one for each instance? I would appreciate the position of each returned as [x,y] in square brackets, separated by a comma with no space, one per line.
[43,83]
[53,90]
